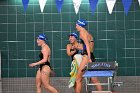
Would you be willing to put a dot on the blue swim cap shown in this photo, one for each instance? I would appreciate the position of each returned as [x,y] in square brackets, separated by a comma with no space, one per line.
[74,34]
[81,22]
[42,37]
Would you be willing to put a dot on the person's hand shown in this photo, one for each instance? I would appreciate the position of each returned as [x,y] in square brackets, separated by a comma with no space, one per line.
[32,64]
[73,47]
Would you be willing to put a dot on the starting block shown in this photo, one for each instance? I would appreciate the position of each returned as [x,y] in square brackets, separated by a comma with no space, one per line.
[101,69]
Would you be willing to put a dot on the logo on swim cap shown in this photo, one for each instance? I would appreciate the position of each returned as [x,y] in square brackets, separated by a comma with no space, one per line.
[42,37]
[74,34]
[81,22]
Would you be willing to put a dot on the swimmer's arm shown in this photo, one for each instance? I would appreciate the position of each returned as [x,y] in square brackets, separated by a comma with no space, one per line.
[69,53]
[45,58]
[92,44]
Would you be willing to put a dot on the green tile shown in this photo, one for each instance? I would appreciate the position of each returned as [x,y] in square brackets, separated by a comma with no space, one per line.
[13,54]
[56,63]
[30,9]
[21,55]
[21,46]
[121,62]
[3,9]
[11,18]
[3,27]
[129,24]
[137,34]
[29,19]
[120,24]
[137,15]
[21,37]
[66,64]
[121,71]
[4,72]
[12,28]
[4,55]
[38,18]
[130,62]
[31,72]
[21,64]
[54,9]
[4,63]
[137,53]
[65,8]
[21,72]
[13,64]
[3,36]
[21,28]
[102,7]
[30,37]
[138,71]
[58,72]
[130,43]
[137,26]
[103,27]
[130,53]
[38,27]
[66,72]
[47,8]
[13,72]
[29,54]
[3,19]
[20,9]
[112,54]
[111,25]
[131,71]
[56,18]
[137,62]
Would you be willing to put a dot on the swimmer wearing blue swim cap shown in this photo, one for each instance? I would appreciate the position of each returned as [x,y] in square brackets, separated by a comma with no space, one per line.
[74,34]
[44,71]
[88,47]
[74,47]
[81,22]
[42,37]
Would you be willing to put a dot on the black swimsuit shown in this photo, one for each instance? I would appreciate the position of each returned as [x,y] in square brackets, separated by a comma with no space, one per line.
[77,51]
[46,63]
[85,51]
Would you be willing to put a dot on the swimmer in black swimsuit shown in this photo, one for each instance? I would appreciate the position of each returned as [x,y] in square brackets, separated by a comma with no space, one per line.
[46,63]
[85,51]
[88,47]
[74,48]
[43,73]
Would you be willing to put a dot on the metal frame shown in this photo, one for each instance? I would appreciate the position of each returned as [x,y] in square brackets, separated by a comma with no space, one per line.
[110,82]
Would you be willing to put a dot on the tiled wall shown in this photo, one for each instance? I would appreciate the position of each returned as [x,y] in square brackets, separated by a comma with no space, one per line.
[116,36]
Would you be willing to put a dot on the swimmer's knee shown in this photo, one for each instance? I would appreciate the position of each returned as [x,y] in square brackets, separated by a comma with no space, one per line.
[95,80]
[78,80]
